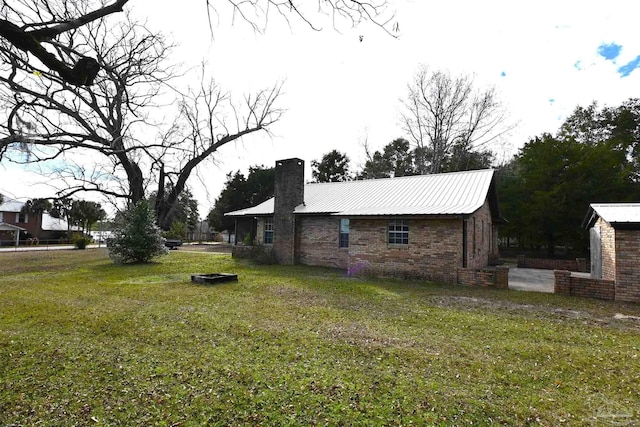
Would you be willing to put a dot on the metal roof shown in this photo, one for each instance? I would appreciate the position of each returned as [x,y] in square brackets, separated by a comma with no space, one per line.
[616,214]
[11,205]
[455,193]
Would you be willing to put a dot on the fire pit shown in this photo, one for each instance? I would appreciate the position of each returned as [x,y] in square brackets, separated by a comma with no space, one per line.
[214,278]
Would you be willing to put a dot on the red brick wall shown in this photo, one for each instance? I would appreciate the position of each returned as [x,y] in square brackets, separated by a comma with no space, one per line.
[497,277]
[434,251]
[627,265]
[566,284]
[479,238]
[578,264]
[319,242]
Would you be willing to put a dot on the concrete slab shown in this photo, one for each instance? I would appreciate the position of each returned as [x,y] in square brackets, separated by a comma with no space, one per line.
[531,279]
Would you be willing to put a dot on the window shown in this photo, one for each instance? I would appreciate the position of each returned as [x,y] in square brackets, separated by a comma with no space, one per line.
[22,217]
[268,230]
[344,233]
[398,232]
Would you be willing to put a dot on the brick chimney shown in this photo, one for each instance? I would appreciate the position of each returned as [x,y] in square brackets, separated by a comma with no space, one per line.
[288,193]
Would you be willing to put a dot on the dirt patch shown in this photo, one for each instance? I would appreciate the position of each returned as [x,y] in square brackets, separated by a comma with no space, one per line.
[222,248]
[615,320]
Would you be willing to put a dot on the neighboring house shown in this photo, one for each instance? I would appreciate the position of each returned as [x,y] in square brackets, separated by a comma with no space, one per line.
[41,226]
[427,226]
[201,233]
[615,246]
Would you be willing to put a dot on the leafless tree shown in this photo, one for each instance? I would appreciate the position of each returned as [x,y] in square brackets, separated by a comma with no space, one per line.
[99,137]
[35,27]
[442,111]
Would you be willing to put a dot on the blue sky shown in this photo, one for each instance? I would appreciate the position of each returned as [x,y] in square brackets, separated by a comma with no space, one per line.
[544,58]
[611,52]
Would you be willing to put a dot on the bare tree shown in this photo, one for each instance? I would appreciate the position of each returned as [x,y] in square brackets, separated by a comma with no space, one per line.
[441,112]
[92,134]
[35,27]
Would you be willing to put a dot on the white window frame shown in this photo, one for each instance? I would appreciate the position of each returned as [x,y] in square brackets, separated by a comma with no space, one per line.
[398,232]
[268,230]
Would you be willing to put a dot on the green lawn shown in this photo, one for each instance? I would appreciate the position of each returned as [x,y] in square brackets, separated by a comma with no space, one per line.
[87,342]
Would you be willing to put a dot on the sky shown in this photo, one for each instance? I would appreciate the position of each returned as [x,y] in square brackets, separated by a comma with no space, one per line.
[343,85]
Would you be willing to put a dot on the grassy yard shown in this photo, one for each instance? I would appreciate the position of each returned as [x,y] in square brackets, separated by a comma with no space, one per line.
[86,342]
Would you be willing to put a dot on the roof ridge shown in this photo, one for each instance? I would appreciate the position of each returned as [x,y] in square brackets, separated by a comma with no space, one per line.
[404,177]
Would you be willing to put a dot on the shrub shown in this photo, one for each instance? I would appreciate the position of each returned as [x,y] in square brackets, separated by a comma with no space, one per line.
[137,239]
[80,241]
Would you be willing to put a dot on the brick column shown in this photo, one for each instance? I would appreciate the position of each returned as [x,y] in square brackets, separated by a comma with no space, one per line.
[562,284]
[521,261]
[288,193]
[502,277]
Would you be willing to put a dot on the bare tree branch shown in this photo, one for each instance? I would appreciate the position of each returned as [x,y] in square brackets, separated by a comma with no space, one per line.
[441,111]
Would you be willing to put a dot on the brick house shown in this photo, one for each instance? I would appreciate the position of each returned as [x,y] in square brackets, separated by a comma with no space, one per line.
[614,231]
[429,226]
[17,226]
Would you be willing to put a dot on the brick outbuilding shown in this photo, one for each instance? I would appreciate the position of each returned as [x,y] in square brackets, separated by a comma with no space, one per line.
[615,247]
[437,227]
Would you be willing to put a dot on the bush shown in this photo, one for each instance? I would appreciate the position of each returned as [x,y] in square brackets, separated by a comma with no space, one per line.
[137,239]
[80,241]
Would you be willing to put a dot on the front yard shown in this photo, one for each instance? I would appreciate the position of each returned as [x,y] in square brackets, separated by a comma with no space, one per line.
[86,342]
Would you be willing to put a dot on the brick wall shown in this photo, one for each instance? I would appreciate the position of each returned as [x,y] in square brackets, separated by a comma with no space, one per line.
[434,251]
[496,277]
[319,242]
[578,264]
[479,238]
[608,249]
[566,284]
[627,265]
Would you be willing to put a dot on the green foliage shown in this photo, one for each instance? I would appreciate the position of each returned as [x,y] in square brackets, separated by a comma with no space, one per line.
[334,167]
[80,241]
[86,342]
[463,157]
[80,213]
[177,231]
[184,210]
[239,193]
[137,238]
[396,159]
[546,189]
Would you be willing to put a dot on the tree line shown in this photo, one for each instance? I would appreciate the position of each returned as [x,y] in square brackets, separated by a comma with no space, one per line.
[545,189]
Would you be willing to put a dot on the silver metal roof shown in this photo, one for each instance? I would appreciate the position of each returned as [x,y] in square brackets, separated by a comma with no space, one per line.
[11,205]
[455,193]
[617,213]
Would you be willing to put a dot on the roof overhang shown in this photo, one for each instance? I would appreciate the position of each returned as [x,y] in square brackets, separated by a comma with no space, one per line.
[10,227]
[627,222]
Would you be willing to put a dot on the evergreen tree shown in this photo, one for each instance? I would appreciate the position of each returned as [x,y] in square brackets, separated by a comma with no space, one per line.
[137,239]
[334,167]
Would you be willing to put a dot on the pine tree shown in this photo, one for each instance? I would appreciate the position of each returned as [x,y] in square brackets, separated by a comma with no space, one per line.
[137,239]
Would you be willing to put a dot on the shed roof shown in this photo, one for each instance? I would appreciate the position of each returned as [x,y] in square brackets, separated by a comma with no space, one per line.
[455,193]
[619,215]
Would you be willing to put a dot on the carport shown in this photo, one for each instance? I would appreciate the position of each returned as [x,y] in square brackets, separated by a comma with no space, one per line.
[12,228]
